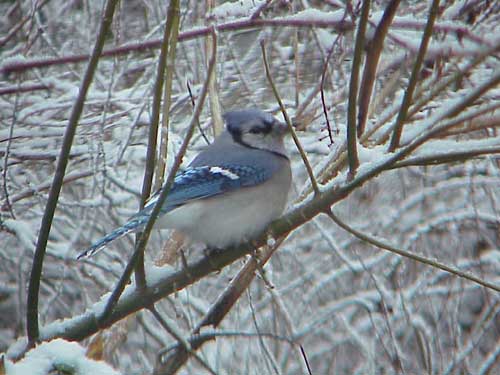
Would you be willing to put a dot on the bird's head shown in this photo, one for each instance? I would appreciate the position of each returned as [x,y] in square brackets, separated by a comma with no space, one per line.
[256,129]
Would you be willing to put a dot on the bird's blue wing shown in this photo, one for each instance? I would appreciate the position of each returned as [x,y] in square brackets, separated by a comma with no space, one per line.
[208,181]
[193,183]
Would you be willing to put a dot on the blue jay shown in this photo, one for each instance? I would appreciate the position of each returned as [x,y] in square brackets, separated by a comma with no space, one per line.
[230,192]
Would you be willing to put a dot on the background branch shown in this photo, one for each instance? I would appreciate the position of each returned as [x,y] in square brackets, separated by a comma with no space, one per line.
[352,153]
[408,95]
[242,24]
[143,238]
[374,51]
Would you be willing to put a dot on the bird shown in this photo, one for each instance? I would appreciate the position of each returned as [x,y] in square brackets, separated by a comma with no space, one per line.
[230,192]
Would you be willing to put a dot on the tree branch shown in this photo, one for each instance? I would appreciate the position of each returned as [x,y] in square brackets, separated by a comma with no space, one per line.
[372,58]
[404,253]
[408,95]
[62,162]
[302,153]
[240,24]
[112,301]
[352,153]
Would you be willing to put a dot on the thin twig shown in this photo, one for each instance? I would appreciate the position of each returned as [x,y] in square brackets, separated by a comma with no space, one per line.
[221,307]
[446,157]
[408,95]
[9,90]
[303,352]
[322,90]
[171,35]
[185,344]
[36,270]
[264,348]
[256,14]
[193,103]
[458,29]
[113,299]
[210,335]
[302,153]
[169,43]
[7,202]
[213,94]
[44,186]
[418,258]
[21,23]
[372,58]
[352,153]
[296,62]
[239,24]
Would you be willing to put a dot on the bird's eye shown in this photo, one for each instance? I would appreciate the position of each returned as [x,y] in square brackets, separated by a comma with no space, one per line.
[255,130]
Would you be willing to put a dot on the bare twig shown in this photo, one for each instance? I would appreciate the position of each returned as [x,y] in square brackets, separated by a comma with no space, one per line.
[418,258]
[240,24]
[36,270]
[167,52]
[170,40]
[193,103]
[322,91]
[213,93]
[408,95]
[372,58]
[302,153]
[352,153]
[211,335]
[305,359]
[446,157]
[220,308]
[113,299]
[44,186]
[21,23]
[185,344]
[24,88]
[460,30]
[7,204]
[256,14]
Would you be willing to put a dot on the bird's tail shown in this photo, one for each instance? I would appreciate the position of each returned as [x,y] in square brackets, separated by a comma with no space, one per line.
[133,224]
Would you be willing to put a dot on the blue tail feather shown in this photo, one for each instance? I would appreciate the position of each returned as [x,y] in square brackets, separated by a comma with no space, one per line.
[132,225]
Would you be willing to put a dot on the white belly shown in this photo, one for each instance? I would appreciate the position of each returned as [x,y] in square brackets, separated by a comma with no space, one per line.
[238,217]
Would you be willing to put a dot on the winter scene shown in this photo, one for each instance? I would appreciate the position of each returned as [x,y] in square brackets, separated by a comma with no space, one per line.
[249,187]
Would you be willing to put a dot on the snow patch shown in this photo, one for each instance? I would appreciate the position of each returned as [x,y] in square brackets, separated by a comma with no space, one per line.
[239,8]
[59,355]
[316,15]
